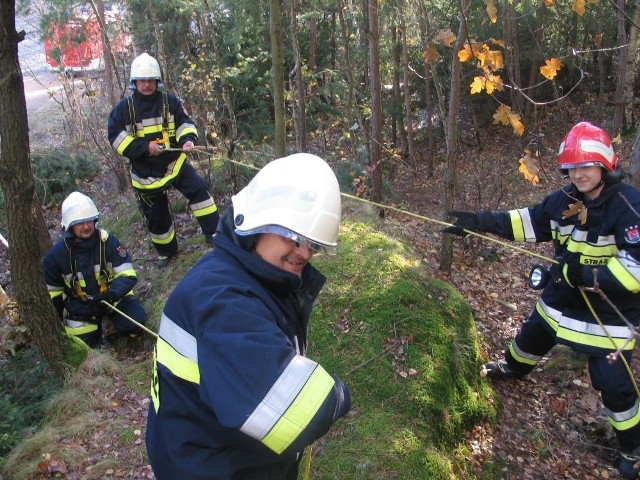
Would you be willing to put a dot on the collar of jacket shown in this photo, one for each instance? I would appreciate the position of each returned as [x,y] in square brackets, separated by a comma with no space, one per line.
[607,192]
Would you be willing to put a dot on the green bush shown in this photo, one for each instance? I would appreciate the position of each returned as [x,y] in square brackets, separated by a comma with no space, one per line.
[24,398]
[10,425]
[57,172]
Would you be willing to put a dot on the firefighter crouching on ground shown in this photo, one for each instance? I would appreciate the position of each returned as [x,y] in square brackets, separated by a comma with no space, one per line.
[85,266]
[233,395]
[608,241]
[141,127]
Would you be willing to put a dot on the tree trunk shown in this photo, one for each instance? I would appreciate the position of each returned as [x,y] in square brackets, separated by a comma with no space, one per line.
[107,53]
[538,30]
[408,122]
[355,119]
[451,136]
[301,121]
[397,123]
[634,163]
[512,54]
[376,105]
[23,209]
[278,79]
[424,25]
[619,99]
[630,69]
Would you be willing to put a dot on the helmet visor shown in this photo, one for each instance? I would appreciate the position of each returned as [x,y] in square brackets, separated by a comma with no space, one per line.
[301,241]
[568,166]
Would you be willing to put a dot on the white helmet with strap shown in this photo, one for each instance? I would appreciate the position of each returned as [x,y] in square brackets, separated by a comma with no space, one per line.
[297,197]
[145,67]
[78,208]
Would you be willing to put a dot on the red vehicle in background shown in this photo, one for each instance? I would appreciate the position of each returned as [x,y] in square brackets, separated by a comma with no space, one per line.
[76,46]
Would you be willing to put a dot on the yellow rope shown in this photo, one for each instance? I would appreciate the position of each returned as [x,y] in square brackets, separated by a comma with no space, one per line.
[307,464]
[422,217]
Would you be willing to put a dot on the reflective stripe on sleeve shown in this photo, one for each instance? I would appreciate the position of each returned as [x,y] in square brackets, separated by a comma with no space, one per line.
[522,226]
[290,404]
[177,350]
[626,270]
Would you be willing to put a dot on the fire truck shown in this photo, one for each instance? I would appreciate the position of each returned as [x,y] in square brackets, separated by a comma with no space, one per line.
[76,46]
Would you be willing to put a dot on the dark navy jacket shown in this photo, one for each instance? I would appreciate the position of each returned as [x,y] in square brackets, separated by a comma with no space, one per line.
[59,270]
[233,395]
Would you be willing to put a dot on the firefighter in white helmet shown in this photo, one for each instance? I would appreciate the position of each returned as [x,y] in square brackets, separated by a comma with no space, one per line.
[142,127]
[594,225]
[230,367]
[87,266]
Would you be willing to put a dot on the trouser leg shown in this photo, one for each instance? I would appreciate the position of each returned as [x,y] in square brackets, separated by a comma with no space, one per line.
[201,203]
[131,307]
[619,398]
[532,342]
[156,211]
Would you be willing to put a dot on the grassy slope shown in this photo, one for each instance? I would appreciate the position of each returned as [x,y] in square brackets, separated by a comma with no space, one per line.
[404,342]
[406,346]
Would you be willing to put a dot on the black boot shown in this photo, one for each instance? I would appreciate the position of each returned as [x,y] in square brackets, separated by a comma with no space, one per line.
[499,370]
[626,466]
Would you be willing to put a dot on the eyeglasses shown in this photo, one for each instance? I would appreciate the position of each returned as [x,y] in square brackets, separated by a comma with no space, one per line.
[300,240]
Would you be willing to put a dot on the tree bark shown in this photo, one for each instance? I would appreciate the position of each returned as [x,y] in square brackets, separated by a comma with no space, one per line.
[24,213]
[301,121]
[408,122]
[630,69]
[398,139]
[619,99]
[451,136]
[376,105]
[355,118]
[278,79]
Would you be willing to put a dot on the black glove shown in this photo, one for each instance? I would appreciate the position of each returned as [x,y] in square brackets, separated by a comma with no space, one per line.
[465,221]
[108,296]
[571,269]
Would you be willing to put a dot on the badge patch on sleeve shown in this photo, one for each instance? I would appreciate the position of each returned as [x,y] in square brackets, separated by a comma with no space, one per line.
[123,253]
[632,234]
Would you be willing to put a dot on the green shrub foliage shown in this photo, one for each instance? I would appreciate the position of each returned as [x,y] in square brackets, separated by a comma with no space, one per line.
[58,172]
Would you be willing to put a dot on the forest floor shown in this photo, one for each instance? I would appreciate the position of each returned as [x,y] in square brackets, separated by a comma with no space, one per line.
[553,425]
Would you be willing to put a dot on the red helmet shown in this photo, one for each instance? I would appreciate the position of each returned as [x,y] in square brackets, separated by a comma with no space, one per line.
[586,145]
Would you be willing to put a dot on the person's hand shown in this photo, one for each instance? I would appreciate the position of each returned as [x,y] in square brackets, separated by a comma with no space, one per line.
[571,269]
[155,149]
[108,296]
[464,221]
[188,146]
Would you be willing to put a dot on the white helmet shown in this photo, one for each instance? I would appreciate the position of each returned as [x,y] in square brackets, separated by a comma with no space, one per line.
[145,67]
[78,208]
[297,197]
